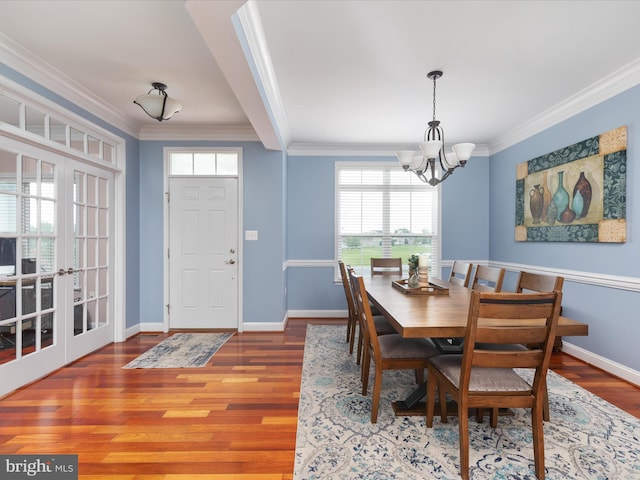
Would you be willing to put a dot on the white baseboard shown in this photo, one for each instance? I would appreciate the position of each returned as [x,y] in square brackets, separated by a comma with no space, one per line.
[246,327]
[131,331]
[609,366]
[146,327]
[264,326]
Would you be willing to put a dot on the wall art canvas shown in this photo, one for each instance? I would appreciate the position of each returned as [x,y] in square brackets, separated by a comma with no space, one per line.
[575,194]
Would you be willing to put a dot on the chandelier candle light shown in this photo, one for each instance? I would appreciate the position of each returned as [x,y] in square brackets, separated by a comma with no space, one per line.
[433,165]
[423,270]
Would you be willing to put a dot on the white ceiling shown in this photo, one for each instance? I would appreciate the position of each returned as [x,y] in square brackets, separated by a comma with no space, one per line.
[347,75]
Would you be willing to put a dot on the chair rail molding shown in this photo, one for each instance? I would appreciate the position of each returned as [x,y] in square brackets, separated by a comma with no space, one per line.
[589,278]
[312,263]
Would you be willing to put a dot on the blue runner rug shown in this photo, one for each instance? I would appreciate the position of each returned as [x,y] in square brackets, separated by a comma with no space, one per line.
[181,350]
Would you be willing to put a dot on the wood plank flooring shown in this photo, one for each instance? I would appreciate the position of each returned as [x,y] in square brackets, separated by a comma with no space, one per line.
[234,419]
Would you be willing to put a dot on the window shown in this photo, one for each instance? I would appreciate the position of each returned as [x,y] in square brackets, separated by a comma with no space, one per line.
[204,163]
[40,120]
[382,211]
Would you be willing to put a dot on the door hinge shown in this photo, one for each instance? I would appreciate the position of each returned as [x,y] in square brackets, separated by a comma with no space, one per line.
[168,253]
[168,194]
[168,308]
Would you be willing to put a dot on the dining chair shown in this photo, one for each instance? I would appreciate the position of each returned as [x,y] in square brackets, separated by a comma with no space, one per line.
[352,318]
[382,325]
[388,352]
[487,279]
[386,266]
[486,378]
[527,283]
[536,282]
[460,273]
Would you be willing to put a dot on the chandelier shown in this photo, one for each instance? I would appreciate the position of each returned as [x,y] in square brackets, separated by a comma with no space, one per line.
[158,105]
[432,165]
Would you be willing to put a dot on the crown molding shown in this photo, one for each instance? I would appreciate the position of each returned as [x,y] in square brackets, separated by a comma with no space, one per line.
[36,69]
[373,150]
[258,53]
[611,85]
[236,133]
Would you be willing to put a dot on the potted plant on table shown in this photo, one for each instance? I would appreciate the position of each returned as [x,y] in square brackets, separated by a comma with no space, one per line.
[413,270]
[413,264]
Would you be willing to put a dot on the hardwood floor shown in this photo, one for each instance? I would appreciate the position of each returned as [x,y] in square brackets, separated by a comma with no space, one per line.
[234,419]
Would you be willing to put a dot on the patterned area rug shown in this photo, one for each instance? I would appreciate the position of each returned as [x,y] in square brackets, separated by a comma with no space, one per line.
[587,437]
[181,350]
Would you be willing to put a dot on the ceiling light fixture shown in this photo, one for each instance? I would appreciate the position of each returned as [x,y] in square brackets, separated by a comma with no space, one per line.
[433,165]
[158,105]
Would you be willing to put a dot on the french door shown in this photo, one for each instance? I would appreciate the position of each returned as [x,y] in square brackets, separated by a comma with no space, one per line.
[55,261]
[89,257]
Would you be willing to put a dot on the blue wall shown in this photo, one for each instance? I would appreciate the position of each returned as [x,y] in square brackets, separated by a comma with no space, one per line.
[311,232]
[465,212]
[263,207]
[611,313]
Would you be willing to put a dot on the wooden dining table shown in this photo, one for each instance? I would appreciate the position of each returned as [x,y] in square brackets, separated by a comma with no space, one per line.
[440,313]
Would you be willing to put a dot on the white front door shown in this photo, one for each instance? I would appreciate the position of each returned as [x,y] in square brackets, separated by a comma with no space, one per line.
[203,253]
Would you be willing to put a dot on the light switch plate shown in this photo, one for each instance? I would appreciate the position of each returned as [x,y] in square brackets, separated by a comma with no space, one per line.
[251,235]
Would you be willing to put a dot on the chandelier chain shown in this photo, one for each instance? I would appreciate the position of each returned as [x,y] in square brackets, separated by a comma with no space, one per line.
[434,98]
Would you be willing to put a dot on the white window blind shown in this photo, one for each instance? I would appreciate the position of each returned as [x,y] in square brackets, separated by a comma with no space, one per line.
[383,211]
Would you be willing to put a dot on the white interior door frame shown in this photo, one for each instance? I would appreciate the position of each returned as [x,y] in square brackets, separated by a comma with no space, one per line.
[118,167]
[165,215]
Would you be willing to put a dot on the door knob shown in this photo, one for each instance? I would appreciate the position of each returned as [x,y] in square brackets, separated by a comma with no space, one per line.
[230,262]
[62,271]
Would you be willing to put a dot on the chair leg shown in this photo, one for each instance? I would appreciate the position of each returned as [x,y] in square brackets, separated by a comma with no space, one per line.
[463,428]
[349,320]
[538,438]
[365,372]
[360,345]
[545,406]
[352,335]
[366,360]
[493,418]
[419,376]
[375,396]
[479,414]
[431,399]
[442,394]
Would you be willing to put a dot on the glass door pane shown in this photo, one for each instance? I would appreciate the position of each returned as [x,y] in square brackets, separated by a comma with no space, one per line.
[28,242]
[91,254]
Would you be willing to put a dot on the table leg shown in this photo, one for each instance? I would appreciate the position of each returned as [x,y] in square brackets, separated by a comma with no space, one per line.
[412,404]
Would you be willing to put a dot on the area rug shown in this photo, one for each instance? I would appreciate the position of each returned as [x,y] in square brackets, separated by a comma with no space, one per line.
[181,350]
[587,438]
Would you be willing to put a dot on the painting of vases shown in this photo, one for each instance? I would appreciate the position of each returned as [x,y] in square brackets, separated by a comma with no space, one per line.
[560,196]
[571,194]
